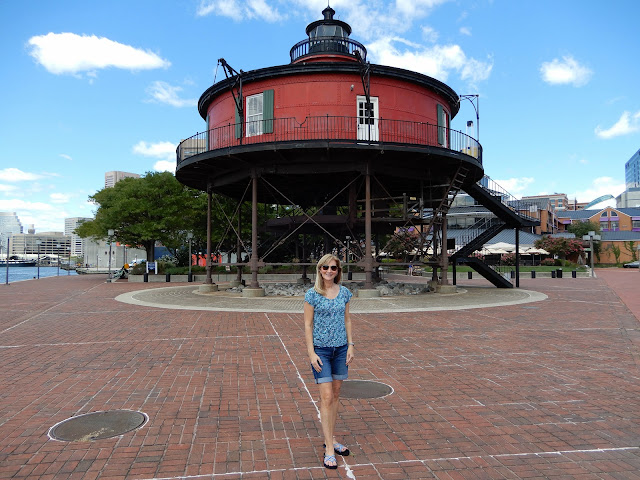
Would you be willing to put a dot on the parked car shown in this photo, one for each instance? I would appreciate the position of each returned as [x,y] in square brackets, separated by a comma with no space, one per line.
[632,264]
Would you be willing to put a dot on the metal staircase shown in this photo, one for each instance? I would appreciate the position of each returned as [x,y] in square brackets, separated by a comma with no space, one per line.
[509,213]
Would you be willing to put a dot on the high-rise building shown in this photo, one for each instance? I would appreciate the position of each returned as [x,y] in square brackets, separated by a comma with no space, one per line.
[632,171]
[9,225]
[111,178]
[77,243]
[27,245]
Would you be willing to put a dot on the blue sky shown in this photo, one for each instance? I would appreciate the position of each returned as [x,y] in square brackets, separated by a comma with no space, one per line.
[90,87]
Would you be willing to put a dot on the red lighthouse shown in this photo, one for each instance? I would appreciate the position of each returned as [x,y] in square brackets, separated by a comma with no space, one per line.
[354,149]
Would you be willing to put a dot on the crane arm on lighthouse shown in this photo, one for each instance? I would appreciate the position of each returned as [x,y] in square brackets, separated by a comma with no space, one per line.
[365,74]
[236,89]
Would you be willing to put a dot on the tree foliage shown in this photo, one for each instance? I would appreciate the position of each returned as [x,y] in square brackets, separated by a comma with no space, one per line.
[560,246]
[580,229]
[142,211]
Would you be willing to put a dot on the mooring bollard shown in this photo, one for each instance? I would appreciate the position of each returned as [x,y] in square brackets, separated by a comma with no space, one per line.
[470,275]
[145,277]
[574,274]
[167,278]
[533,274]
[559,273]
[553,274]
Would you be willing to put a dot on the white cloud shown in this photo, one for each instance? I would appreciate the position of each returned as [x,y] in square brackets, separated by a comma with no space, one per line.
[240,9]
[60,197]
[600,186]
[16,175]
[626,125]
[69,53]
[429,34]
[160,150]
[165,166]
[465,31]
[162,92]
[437,61]
[7,189]
[46,217]
[565,71]
[65,156]
[516,186]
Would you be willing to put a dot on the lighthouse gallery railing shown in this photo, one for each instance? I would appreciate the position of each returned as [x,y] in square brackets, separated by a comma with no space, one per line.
[331,129]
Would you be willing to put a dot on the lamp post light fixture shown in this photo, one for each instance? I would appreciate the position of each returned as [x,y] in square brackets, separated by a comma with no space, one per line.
[38,242]
[110,233]
[58,255]
[189,238]
[475,101]
[591,236]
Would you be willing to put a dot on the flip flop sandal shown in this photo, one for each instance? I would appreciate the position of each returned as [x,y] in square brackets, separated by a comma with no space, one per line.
[331,458]
[339,449]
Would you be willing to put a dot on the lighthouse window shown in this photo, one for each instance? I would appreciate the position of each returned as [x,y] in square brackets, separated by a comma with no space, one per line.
[254,115]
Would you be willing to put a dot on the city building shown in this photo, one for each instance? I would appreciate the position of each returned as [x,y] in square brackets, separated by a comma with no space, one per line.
[9,225]
[351,140]
[629,198]
[632,171]
[31,245]
[111,178]
[77,243]
[557,201]
[619,229]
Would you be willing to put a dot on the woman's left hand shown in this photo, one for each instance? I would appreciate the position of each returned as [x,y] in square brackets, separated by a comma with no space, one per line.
[350,354]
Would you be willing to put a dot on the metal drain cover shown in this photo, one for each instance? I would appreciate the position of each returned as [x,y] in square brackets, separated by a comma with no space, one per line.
[364,389]
[97,426]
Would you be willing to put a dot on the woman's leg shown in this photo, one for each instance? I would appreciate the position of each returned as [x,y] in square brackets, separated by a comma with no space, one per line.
[327,417]
[335,389]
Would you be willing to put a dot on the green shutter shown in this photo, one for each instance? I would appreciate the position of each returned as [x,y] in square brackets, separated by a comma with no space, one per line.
[441,130]
[238,123]
[267,111]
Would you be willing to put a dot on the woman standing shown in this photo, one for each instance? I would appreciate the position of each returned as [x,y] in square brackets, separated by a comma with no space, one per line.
[330,346]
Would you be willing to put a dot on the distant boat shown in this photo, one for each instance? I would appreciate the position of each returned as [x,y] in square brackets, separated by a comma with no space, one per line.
[18,263]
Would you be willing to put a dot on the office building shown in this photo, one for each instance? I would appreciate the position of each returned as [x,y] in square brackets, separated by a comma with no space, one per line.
[111,178]
[77,243]
[9,225]
[632,171]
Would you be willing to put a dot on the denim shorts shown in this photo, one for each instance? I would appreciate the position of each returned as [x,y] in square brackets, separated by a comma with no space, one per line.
[334,364]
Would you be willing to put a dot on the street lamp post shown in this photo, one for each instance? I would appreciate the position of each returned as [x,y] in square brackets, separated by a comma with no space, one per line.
[38,242]
[69,264]
[475,101]
[58,255]
[110,233]
[591,236]
[189,237]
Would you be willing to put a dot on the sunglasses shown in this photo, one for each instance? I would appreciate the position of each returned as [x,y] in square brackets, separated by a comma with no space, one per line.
[327,267]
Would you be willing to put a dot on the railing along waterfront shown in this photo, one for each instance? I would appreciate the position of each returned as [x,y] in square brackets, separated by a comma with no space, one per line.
[330,129]
[329,45]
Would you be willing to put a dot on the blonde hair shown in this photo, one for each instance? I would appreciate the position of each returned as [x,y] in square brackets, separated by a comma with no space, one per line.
[319,286]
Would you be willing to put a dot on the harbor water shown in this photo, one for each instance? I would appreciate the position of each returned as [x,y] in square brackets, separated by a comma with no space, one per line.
[18,274]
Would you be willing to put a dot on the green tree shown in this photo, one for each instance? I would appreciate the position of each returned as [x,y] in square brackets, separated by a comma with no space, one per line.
[580,229]
[615,249]
[142,211]
[630,247]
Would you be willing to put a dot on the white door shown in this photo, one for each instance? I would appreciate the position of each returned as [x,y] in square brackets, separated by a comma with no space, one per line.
[367,119]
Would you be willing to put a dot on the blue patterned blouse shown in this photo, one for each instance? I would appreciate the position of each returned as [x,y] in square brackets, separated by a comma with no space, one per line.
[328,317]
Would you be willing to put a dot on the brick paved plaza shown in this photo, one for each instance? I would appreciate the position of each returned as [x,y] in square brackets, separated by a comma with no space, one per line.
[544,389]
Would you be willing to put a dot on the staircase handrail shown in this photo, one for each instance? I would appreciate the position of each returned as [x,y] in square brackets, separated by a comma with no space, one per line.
[518,206]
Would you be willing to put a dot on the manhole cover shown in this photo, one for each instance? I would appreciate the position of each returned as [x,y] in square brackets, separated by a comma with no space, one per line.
[97,426]
[364,389]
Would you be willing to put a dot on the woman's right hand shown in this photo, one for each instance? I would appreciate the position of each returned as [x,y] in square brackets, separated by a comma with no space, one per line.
[316,363]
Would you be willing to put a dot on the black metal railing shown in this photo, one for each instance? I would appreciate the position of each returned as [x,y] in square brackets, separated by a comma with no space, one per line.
[523,208]
[332,129]
[331,45]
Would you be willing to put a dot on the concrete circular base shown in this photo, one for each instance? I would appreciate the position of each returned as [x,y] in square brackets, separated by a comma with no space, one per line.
[234,283]
[368,293]
[446,289]
[208,288]
[253,292]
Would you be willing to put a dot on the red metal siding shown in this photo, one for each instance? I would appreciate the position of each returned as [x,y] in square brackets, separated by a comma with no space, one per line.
[300,96]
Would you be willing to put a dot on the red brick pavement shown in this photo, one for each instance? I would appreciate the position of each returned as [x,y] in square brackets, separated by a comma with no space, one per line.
[539,390]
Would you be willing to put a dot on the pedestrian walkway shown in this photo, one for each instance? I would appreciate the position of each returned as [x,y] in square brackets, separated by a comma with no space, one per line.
[543,389]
